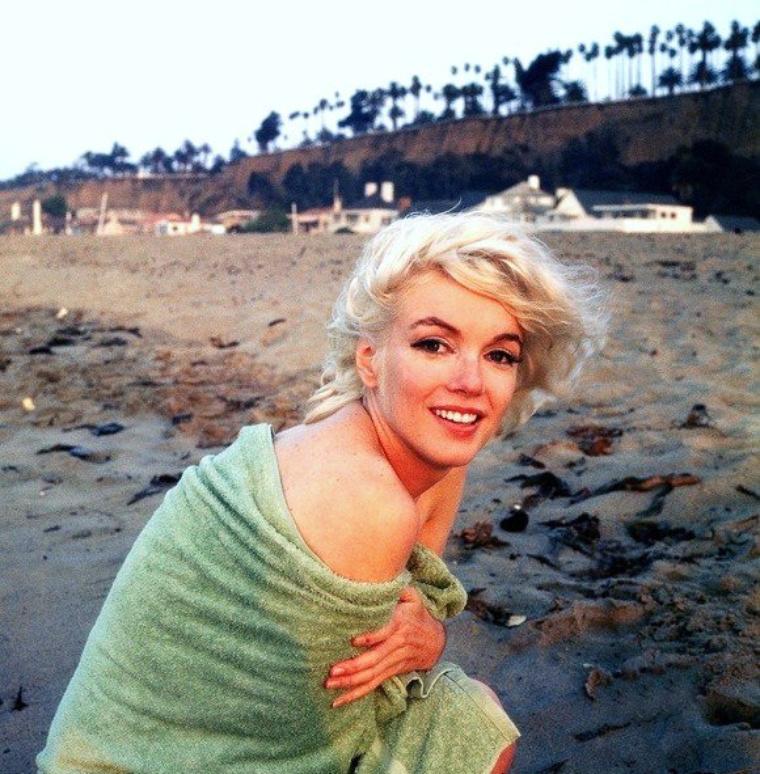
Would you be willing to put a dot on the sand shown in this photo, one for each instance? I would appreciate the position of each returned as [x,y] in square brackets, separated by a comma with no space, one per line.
[637,571]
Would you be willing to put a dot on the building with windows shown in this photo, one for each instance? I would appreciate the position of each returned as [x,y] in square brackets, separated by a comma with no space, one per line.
[367,216]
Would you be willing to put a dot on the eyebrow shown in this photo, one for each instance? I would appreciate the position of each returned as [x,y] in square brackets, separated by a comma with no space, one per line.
[439,323]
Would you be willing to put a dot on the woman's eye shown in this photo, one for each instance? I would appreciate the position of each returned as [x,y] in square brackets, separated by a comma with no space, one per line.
[429,345]
[504,357]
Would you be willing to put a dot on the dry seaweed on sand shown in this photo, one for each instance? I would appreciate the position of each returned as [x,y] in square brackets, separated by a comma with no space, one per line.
[480,535]
[159,483]
[594,440]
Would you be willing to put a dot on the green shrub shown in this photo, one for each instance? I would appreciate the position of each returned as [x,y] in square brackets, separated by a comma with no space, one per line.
[55,206]
[270,221]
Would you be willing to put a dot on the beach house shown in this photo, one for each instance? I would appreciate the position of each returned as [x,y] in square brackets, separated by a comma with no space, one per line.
[589,210]
[524,202]
[367,216]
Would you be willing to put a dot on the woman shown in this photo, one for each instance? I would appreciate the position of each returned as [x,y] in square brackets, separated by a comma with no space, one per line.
[281,610]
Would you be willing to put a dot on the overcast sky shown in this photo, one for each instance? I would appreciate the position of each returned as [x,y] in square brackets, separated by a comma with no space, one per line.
[79,75]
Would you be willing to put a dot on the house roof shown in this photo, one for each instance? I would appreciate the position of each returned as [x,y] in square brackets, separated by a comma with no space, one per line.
[737,223]
[523,188]
[466,201]
[590,199]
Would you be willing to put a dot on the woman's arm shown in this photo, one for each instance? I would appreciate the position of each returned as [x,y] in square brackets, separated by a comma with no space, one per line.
[438,509]
[412,639]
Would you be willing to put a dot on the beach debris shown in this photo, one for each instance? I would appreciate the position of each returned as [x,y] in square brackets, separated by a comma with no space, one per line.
[594,440]
[219,343]
[276,321]
[745,490]
[73,330]
[61,313]
[580,533]
[730,701]
[596,677]
[60,340]
[19,703]
[54,528]
[698,417]
[517,521]
[107,428]
[549,486]
[543,560]
[213,435]
[479,535]
[80,452]
[27,404]
[516,620]
[527,461]
[159,483]
[585,736]
[112,341]
[612,560]
[634,484]
[185,416]
[488,611]
[651,532]
[134,330]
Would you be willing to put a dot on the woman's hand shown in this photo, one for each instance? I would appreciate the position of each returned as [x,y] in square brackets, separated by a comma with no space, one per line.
[411,640]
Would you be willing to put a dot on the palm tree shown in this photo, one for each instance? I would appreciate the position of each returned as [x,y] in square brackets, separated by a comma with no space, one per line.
[450,94]
[705,41]
[415,89]
[395,92]
[609,52]
[471,93]
[682,38]
[756,41]
[575,91]
[493,77]
[590,54]
[703,75]
[637,47]
[670,79]
[322,105]
[736,69]
[654,33]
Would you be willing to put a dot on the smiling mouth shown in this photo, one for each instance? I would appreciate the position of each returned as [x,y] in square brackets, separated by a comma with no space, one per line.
[460,418]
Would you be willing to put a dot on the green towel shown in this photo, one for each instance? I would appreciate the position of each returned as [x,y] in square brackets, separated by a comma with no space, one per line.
[213,644]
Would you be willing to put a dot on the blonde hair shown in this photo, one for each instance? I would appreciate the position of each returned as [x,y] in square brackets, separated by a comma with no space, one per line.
[559,306]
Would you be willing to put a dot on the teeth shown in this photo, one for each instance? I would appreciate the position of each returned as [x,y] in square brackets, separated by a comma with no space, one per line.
[455,416]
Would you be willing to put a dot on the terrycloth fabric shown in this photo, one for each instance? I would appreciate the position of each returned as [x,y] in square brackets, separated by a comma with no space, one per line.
[212,647]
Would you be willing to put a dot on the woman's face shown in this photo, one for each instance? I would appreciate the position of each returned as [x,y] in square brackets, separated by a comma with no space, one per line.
[439,384]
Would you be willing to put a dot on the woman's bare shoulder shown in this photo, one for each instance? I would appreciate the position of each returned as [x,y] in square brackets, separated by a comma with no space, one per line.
[347,502]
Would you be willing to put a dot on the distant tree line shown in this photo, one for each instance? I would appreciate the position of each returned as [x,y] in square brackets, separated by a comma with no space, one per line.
[706,175]
[662,62]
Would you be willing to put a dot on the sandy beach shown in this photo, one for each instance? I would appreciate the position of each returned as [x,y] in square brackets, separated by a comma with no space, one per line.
[124,360]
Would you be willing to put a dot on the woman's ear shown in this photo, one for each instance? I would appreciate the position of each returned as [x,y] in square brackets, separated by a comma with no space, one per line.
[366,365]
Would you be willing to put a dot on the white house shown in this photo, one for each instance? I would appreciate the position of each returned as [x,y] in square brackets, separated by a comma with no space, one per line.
[524,202]
[588,210]
[367,216]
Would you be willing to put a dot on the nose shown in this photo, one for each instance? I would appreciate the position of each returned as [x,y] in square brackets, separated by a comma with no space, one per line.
[467,377]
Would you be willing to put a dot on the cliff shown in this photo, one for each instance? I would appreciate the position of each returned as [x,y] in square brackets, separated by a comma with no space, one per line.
[644,130]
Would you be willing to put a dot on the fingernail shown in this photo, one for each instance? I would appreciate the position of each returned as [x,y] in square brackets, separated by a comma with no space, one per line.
[337,671]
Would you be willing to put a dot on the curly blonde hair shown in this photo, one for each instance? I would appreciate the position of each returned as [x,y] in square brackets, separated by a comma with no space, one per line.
[559,306]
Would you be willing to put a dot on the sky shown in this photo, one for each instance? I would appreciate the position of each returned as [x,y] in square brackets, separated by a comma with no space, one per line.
[81,75]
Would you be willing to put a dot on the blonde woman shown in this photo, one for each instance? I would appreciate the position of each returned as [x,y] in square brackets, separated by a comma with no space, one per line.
[282,610]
